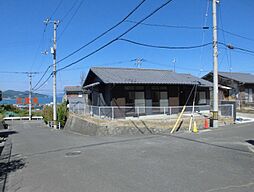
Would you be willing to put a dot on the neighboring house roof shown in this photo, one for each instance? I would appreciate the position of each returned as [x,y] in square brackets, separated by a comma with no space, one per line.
[240,77]
[144,76]
[76,100]
[72,89]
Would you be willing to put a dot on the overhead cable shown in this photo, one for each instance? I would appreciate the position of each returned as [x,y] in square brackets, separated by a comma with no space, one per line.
[169,26]
[69,22]
[42,77]
[102,34]
[163,46]
[117,38]
[44,82]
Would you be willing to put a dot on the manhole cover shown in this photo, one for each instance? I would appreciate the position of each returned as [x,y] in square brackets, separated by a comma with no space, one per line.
[73,153]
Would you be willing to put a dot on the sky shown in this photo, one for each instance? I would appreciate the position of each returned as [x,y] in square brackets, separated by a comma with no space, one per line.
[24,37]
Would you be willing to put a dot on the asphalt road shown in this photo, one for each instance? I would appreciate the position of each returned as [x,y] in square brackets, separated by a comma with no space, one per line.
[46,160]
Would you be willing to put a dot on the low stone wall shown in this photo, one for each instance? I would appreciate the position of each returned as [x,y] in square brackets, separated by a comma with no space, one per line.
[88,125]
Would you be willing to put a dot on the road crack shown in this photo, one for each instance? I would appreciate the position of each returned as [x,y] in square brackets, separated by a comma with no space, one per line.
[230,187]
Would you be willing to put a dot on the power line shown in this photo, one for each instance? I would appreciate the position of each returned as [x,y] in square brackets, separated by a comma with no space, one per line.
[103,64]
[236,35]
[42,76]
[57,7]
[69,11]
[165,47]
[224,39]
[104,33]
[241,49]
[43,33]
[19,72]
[98,37]
[39,45]
[161,64]
[117,38]
[168,26]
[44,82]
[203,36]
[73,15]
[229,46]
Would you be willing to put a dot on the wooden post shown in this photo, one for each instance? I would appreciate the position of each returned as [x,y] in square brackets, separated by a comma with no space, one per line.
[178,119]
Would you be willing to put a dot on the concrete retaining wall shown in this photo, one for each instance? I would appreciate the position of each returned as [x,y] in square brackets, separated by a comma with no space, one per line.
[88,125]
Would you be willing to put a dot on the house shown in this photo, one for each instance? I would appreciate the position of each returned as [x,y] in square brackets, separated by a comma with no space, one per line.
[234,86]
[144,88]
[75,96]
[73,91]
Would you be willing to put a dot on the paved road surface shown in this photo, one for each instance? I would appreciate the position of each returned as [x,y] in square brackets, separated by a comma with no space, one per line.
[45,160]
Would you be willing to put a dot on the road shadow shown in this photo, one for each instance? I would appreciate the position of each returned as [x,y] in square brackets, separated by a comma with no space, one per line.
[250,141]
[5,132]
[11,166]
[8,164]
[8,167]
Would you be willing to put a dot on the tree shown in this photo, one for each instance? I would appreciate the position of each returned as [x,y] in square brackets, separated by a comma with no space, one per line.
[47,113]
[62,113]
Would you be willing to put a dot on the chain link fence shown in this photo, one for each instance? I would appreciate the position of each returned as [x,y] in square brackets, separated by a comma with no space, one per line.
[122,112]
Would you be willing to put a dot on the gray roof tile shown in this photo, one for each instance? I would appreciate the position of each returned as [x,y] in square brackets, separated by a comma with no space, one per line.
[73,88]
[145,76]
[241,77]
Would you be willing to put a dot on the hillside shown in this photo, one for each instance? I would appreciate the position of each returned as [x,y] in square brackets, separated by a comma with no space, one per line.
[11,94]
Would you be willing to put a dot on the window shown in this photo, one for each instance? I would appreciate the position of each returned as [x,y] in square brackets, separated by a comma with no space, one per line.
[156,98]
[130,98]
[160,98]
[202,97]
[248,95]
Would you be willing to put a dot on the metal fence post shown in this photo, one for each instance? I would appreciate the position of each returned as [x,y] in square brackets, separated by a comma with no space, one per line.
[99,112]
[138,111]
[112,112]
[169,110]
[232,111]
[91,110]
[164,110]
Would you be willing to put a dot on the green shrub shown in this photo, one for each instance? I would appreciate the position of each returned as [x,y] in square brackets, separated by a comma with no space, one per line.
[47,113]
[62,113]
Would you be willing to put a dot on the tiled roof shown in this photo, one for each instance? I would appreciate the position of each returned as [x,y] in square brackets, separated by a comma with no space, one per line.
[145,76]
[73,88]
[240,77]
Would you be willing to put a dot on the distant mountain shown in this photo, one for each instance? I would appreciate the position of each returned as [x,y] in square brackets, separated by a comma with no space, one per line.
[11,94]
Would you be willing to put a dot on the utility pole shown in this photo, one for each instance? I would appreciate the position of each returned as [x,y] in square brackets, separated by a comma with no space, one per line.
[53,51]
[30,75]
[30,96]
[215,67]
